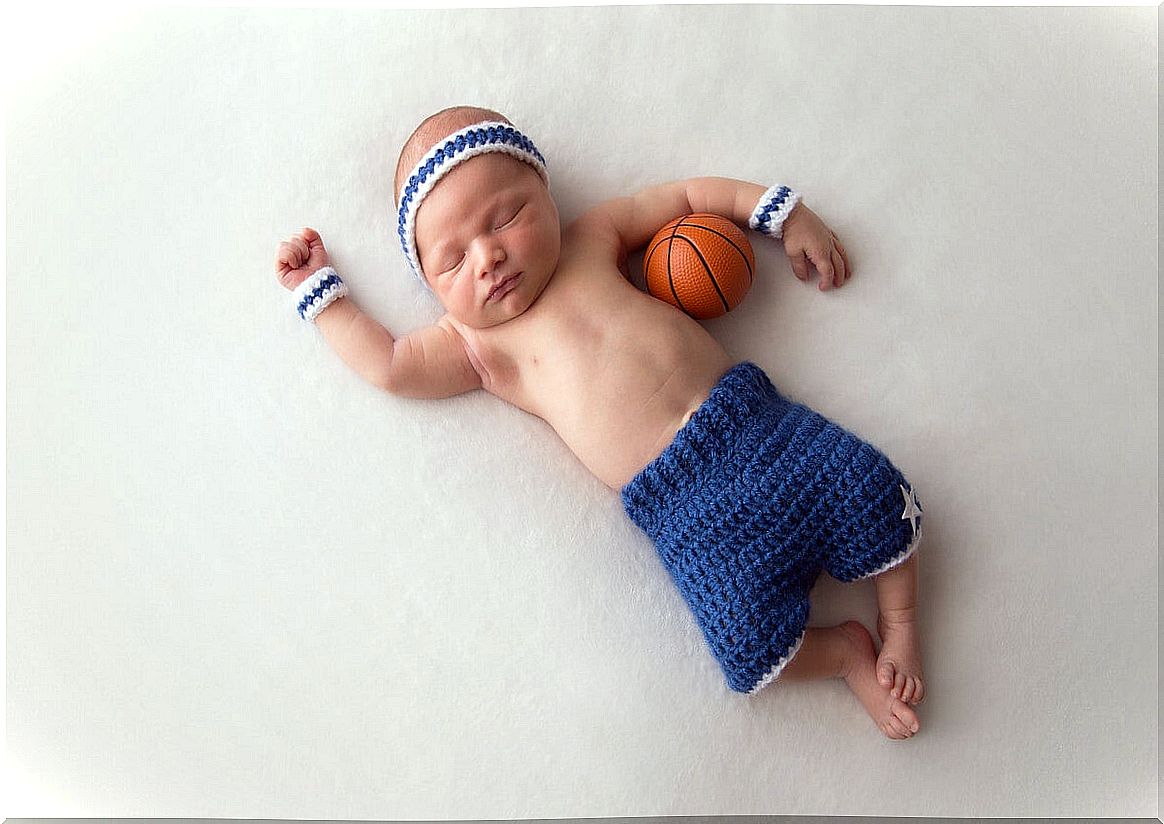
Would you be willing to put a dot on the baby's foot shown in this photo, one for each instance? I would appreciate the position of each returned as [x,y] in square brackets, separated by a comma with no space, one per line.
[892,715]
[899,664]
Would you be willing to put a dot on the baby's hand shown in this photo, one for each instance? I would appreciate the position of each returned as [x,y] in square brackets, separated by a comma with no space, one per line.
[808,240]
[299,258]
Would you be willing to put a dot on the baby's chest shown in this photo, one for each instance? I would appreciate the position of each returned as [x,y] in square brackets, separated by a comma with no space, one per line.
[560,340]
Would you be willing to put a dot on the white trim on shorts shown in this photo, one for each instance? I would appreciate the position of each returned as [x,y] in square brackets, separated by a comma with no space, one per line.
[774,673]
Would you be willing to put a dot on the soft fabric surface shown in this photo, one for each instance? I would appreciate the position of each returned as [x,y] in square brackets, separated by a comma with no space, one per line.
[241,582]
[752,500]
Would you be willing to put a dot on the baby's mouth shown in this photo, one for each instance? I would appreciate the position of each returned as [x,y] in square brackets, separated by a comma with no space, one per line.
[503,287]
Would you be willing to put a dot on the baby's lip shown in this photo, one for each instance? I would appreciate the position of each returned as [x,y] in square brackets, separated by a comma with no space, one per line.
[501,285]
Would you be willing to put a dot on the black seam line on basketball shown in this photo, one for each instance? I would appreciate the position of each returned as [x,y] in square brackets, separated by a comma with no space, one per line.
[671,277]
[728,239]
[650,254]
[710,276]
[657,242]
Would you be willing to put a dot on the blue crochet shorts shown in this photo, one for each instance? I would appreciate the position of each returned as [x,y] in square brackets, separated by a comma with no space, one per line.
[753,498]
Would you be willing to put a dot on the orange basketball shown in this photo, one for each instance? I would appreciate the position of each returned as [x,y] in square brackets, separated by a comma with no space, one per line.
[701,264]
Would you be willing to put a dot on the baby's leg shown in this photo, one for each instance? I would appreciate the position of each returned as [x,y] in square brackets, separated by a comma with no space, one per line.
[846,651]
[899,664]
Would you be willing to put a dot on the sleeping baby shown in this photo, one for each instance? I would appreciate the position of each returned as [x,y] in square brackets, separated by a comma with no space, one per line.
[746,495]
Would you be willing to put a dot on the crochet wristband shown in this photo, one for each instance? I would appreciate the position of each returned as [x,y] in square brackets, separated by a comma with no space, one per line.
[773,209]
[318,292]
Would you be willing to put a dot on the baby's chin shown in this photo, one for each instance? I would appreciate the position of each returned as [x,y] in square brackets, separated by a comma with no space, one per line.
[511,307]
[485,319]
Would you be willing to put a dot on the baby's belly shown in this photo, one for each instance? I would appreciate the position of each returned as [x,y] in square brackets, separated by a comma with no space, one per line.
[617,402]
[616,450]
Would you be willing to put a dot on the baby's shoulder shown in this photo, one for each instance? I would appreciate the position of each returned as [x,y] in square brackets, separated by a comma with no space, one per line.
[594,230]
[597,218]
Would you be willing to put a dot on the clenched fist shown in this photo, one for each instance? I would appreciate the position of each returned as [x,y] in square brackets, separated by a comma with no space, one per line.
[300,257]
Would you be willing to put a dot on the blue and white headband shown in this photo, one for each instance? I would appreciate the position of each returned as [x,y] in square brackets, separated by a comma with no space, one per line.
[480,138]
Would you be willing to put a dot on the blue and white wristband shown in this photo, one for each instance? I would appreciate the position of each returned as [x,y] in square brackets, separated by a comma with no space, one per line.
[773,209]
[318,292]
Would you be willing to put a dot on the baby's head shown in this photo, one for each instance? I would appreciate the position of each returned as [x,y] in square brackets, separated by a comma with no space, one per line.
[487,219]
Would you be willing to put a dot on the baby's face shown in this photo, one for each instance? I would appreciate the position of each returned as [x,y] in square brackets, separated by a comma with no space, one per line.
[487,220]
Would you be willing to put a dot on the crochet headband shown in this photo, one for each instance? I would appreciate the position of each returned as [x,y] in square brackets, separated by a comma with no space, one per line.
[480,138]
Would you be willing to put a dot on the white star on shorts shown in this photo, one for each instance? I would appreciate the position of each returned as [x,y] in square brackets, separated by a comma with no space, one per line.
[912,510]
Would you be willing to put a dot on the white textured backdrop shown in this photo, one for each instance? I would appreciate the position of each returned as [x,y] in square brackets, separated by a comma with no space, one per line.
[240,582]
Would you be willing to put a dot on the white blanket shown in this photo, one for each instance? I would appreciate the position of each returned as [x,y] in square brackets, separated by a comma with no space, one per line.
[241,582]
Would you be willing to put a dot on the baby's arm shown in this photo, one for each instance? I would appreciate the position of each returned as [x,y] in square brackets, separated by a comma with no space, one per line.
[429,363]
[807,240]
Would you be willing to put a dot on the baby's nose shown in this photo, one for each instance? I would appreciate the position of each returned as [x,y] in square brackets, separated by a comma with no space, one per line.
[490,257]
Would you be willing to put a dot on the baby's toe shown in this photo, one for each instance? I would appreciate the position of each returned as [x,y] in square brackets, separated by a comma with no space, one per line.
[909,690]
[885,673]
[919,692]
[905,719]
[899,681]
[894,729]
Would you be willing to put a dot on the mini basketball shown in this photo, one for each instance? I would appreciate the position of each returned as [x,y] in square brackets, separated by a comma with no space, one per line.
[701,264]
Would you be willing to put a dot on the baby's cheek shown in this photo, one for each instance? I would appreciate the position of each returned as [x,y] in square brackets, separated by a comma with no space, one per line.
[523,243]
[464,303]
[549,255]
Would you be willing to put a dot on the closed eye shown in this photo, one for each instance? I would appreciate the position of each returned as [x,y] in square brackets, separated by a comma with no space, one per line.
[515,214]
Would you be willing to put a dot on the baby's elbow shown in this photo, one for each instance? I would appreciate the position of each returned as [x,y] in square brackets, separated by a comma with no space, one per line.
[432,365]
[425,381]
[388,373]
[397,378]
[386,380]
